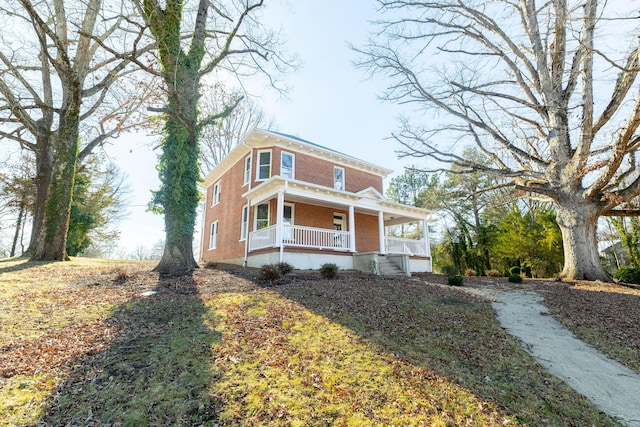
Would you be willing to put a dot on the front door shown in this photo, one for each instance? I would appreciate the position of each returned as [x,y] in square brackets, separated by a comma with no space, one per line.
[339,224]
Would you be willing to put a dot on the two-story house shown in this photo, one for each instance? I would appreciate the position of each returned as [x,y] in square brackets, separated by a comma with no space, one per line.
[278,198]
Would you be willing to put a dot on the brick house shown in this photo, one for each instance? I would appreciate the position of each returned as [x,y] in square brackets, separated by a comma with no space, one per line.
[278,198]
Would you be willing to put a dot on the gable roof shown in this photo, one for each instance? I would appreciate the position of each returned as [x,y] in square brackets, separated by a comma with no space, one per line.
[258,138]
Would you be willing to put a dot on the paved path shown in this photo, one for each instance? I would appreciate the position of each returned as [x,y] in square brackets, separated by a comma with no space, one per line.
[612,387]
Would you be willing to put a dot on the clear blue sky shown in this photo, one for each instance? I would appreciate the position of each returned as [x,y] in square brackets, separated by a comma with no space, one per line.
[330,102]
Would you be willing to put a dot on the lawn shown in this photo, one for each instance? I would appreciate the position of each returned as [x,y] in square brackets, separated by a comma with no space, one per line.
[86,343]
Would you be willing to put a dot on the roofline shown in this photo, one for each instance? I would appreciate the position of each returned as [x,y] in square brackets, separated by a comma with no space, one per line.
[260,137]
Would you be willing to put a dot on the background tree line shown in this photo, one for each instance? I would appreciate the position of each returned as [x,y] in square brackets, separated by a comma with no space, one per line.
[480,224]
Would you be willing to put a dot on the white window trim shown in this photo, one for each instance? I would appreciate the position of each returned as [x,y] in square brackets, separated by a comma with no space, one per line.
[258,165]
[344,184]
[244,226]
[217,187]
[293,163]
[255,215]
[247,172]
[213,235]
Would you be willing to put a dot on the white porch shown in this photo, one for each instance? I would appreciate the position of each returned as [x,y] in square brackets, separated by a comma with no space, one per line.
[283,238]
[323,239]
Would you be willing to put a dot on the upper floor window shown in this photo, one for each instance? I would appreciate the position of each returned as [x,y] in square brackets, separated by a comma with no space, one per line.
[216,193]
[213,237]
[262,216]
[244,226]
[247,170]
[264,165]
[287,165]
[338,178]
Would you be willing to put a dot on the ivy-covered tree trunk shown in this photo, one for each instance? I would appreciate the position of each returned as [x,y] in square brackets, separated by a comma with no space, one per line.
[48,242]
[179,175]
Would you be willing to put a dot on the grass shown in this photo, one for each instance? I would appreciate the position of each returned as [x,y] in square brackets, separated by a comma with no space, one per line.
[218,349]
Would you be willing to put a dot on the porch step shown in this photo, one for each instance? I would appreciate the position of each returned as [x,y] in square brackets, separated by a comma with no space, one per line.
[389,268]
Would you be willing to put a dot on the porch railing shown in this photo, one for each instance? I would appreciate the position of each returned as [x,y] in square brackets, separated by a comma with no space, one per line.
[317,238]
[301,237]
[263,238]
[395,245]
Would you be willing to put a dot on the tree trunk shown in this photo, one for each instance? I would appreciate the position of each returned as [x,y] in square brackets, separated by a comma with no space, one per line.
[49,244]
[177,259]
[44,168]
[21,213]
[577,223]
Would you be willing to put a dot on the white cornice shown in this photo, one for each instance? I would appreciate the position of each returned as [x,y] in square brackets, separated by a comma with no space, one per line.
[259,138]
[364,200]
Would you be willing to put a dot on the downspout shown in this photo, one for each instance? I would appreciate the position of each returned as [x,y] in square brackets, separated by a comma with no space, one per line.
[204,224]
[246,240]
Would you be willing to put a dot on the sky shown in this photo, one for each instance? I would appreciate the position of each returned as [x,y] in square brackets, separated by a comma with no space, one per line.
[330,103]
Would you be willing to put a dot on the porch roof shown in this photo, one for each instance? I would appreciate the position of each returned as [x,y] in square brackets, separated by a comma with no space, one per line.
[368,200]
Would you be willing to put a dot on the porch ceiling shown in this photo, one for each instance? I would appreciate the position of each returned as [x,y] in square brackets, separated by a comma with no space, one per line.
[366,202]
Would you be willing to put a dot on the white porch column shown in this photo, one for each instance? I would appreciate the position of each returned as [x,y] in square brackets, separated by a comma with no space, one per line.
[425,237]
[279,223]
[383,249]
[352,229]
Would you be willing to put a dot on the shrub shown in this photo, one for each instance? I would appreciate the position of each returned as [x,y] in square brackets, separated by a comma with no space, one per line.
[455,280]
[514,271]
[493,273]
[470,272]
[270,272]
[329,270]
[515,278]
[122,275]
[449,270]
[628,275]
[284,268]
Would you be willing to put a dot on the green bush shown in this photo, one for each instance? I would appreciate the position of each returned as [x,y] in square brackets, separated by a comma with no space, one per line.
[284,268]
[455,280]
[514,271]
[449,270]
[515,278]
[329,270]
[270,272]
[628,275]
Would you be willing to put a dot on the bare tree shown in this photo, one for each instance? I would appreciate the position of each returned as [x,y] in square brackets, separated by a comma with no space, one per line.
[540,90]
[192,43]
[219,138]
[56,76]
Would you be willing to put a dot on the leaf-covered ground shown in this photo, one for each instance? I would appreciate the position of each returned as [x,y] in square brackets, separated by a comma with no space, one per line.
[83,343]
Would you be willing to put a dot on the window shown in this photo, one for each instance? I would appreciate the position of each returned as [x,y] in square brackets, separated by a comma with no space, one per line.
[247,170]
[287,165]
[262,216]
[216,193]
[338,178]
[213,238]
[264,165]
[244,226]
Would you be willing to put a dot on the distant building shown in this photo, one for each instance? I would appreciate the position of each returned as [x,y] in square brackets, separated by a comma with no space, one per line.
[278,198]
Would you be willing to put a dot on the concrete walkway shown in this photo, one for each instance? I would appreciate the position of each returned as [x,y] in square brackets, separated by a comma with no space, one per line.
[612,387]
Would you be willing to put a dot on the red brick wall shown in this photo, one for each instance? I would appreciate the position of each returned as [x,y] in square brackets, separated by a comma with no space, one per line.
[228,213]
[367,234]
[307,168]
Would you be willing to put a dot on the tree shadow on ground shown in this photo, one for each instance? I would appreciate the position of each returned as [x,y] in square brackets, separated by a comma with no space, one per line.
[453,334]
[20,263]
[156,371]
